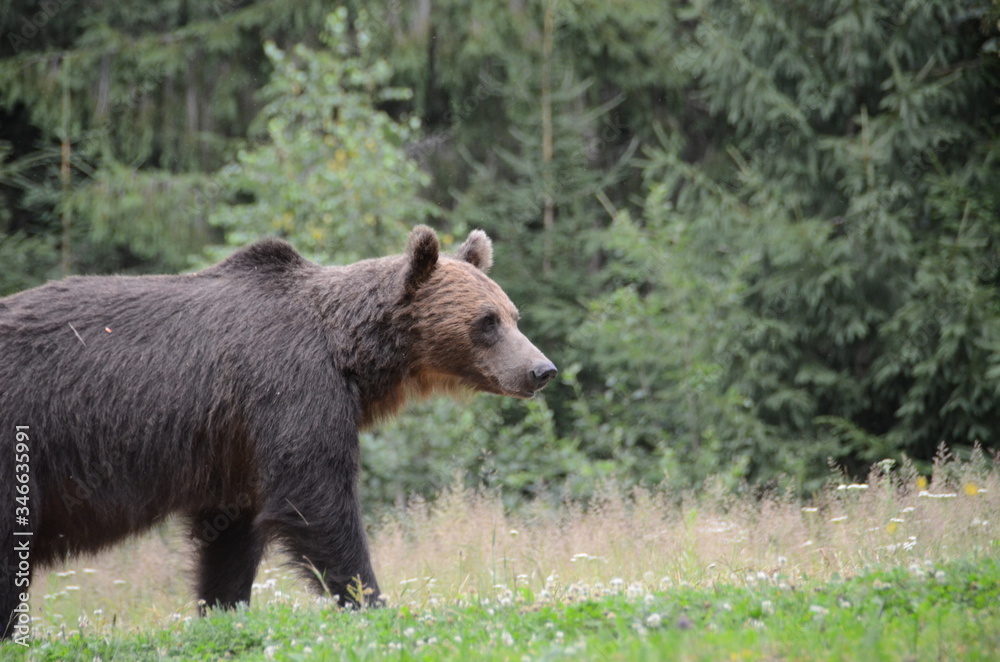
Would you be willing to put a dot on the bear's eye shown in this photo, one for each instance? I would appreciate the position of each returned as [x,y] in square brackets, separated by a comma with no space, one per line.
[490,322]
[488,328]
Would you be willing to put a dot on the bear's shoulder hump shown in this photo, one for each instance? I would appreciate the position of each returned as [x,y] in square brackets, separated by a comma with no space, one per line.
[269,255]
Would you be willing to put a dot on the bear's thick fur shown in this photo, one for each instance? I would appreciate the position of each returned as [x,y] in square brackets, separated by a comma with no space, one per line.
[233,396]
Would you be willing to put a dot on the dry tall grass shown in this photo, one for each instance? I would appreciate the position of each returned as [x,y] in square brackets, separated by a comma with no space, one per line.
[464,544]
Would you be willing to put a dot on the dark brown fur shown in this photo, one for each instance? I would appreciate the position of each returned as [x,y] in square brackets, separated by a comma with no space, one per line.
[234,397]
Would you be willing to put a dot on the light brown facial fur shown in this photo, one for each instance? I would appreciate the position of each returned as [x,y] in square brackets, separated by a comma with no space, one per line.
[427,323]
[466,333]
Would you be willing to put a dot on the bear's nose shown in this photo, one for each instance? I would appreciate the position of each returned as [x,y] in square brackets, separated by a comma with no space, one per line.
[542,373]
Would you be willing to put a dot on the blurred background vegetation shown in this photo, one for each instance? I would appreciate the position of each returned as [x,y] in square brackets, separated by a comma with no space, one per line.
[759,237]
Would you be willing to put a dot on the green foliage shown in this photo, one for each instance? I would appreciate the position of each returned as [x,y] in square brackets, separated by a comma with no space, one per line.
[502,444]
[115,113]
[663,412]
[826,289]
[537,186]
[27,260]
[332,175]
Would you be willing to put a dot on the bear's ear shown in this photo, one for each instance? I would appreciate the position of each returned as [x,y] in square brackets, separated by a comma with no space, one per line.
[422,251]
[477,251]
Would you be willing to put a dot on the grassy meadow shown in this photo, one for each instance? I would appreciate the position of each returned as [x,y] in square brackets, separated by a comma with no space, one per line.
[901,567]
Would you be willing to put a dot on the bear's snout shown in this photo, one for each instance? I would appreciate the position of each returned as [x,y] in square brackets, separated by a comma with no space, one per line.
[542,374]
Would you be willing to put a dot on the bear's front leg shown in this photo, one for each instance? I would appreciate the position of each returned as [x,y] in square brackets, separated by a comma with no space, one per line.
[307,464]
[322,531]
[312,509]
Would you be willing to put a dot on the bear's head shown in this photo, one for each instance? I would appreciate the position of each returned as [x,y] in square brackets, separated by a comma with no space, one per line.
[465,327]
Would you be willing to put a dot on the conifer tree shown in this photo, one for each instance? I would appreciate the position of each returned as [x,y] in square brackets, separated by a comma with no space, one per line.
[116,114]
[331,173]
[843,230]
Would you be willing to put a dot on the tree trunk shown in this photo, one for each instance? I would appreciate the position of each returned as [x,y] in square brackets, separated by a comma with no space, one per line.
[66,256]
[548,212]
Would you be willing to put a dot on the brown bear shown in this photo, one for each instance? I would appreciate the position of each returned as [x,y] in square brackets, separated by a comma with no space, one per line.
[233,397]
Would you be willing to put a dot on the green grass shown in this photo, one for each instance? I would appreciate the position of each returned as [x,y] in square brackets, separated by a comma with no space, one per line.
[949,611]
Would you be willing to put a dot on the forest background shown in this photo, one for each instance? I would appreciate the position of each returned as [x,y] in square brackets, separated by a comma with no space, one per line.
[760,238]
